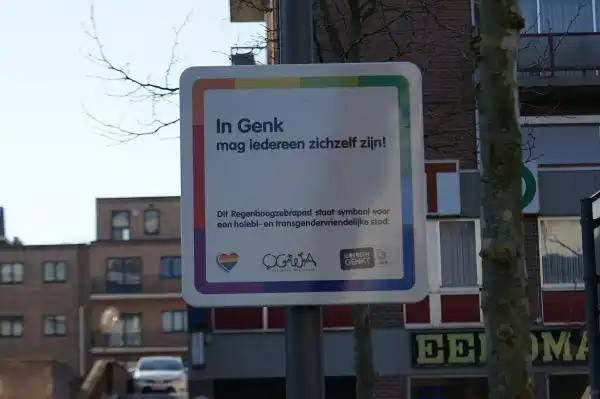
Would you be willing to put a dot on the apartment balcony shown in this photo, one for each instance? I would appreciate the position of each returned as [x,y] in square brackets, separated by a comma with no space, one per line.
[149,287]
[559,66]
[137,342]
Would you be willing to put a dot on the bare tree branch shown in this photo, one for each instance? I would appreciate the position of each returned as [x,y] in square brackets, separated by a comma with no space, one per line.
[136,89]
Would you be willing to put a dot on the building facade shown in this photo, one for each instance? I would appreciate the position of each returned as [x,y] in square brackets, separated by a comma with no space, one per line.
[135,267]
[433,349]
[42,303]
[52,297]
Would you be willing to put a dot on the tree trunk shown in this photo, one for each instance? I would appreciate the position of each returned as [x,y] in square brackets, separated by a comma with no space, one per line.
[505,300]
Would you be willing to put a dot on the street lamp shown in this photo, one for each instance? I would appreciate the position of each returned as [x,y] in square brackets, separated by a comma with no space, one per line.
[589,224]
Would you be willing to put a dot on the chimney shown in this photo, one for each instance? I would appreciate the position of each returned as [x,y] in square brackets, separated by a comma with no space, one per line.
[2,231]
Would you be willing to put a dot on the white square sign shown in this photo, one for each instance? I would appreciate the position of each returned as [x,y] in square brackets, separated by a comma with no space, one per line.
[303,184]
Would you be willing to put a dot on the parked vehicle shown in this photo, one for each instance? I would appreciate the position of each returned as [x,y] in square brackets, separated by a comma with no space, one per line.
[160,374]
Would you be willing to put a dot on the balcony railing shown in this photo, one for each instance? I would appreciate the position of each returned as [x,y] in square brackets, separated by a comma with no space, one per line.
[138,339]
[149,284]
[553,52]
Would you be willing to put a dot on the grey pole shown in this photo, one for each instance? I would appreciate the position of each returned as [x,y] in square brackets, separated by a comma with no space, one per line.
[295,31]
[588,225]
[304,373]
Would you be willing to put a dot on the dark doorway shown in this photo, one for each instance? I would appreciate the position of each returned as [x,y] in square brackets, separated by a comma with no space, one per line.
[340,388]
[568,386]
[264,388]
[274,388]
[449,388]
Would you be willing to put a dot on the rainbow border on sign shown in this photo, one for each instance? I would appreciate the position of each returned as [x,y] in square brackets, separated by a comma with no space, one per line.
[406,184]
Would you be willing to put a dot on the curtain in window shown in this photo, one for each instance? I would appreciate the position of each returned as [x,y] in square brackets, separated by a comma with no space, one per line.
[176,265]
[131,324]
[61,271]
[55,325]
[55,271]
[129,331]
[170,266]
[175,321]
[49,274]
[561,16]
[6,273]
[458,254]
[529,10]
[562,259]
[6,328]
[124,271]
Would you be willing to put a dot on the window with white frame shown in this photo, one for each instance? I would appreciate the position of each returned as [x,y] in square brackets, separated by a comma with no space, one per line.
[174,321]
[121,225]
[454,246]
[55,325]
[561,252]
[11,326]
[11,273]
[560,16]
[55,272]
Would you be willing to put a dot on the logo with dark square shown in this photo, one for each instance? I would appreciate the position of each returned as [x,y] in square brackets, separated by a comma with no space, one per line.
[357,258]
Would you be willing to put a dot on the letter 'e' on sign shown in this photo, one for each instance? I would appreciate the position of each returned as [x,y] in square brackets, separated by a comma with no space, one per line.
[303,185]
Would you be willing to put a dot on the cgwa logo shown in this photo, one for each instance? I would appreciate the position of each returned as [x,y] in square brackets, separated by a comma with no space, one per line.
[289,262]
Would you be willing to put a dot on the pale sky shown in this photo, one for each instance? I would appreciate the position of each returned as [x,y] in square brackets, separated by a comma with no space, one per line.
[54,162]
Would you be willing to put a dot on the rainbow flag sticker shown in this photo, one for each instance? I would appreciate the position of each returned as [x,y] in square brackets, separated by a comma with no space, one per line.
[227,261]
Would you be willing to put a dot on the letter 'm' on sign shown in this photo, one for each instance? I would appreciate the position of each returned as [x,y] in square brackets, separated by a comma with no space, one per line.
[556,348]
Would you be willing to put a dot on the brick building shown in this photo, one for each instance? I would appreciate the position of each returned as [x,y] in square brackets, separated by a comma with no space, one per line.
[52,296]
[42,303]
[135,267]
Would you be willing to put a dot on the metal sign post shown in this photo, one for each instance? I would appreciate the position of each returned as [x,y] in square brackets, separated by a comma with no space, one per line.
[304,374]
[591,278]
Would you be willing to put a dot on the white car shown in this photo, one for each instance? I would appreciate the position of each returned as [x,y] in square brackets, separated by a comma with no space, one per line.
[160,374]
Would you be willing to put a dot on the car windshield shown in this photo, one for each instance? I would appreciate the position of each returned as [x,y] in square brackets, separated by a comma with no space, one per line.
[160,364]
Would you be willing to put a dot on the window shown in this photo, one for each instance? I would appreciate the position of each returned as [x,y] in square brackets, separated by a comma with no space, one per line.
[559,16]
[568,386]
[128,331]
[11,326]
[160,364]
[151,222]
[11,273]
[561,252]
[174,321]
[124,275]
[55,272]
[55,326]
[121,225]
[170,267]
[459,255]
